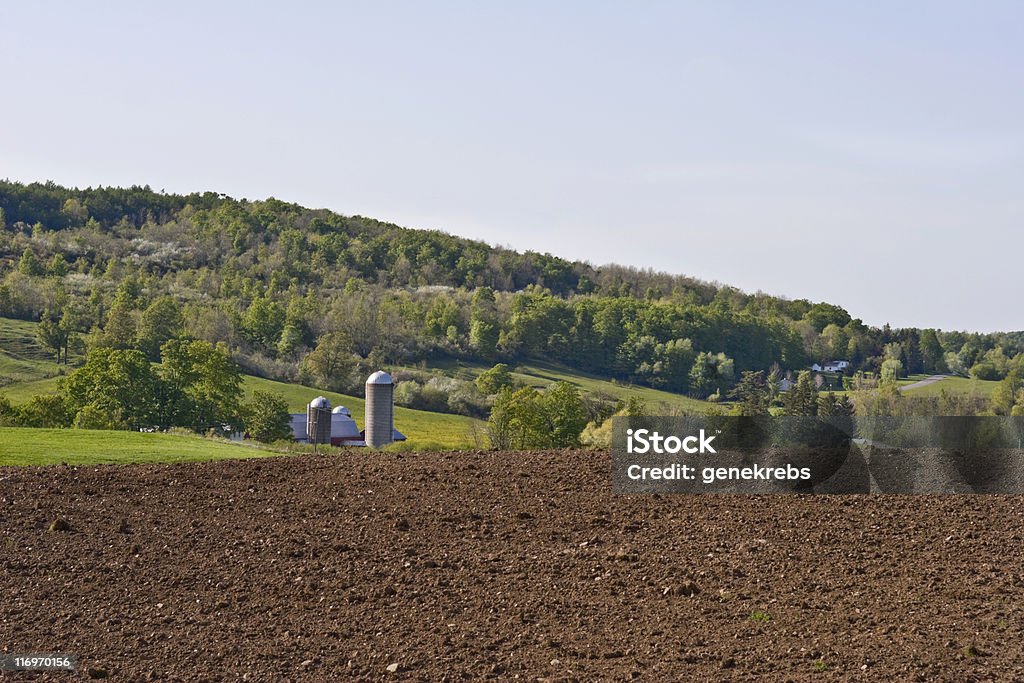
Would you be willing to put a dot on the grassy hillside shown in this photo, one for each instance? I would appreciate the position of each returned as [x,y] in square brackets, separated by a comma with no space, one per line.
[22,358]
[541,374]
[423,429]
[20,392]
[955,385]
[87,447]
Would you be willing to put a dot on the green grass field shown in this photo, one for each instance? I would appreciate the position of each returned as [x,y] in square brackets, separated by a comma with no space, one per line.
[954,385]
[20,446]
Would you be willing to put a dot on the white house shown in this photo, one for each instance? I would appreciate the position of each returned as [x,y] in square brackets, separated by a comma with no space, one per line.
[832,366]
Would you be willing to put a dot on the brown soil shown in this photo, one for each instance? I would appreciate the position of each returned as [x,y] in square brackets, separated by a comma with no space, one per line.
[496,565]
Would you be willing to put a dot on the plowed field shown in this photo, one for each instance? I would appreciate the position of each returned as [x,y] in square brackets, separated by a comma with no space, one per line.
[468,566]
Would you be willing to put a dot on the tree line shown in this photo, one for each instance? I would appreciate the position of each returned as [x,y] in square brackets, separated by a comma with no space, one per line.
[310,295]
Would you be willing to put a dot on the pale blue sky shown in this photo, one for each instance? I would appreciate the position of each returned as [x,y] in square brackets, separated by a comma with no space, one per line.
[867,154]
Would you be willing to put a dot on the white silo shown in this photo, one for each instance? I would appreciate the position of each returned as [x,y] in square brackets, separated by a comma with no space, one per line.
[380,409]
[318,420]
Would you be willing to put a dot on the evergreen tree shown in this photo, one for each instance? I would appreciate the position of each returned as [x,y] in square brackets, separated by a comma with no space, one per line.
[752,394]
[29,263]
[802,398]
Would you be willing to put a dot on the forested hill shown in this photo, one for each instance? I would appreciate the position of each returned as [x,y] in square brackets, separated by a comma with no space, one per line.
[317,245]
[276,281]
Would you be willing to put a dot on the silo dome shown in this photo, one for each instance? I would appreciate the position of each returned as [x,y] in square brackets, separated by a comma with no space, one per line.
[379,377]
[342,410]
[320,402]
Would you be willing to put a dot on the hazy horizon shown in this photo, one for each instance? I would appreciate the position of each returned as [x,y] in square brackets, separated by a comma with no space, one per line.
[866,156]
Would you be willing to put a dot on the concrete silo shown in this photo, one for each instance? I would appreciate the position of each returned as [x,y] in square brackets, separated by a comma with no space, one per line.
[380,410]
[318,420]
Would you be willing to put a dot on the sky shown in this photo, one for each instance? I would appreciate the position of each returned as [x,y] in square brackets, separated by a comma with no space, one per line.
[865,154]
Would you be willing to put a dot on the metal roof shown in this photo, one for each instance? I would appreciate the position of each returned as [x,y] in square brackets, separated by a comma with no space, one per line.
[343,427]
[379,377]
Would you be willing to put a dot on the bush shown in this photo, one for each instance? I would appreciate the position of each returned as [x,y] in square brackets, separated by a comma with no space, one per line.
[494,380]
[528,418]
[8,413]
[262,365]
[466,400]
[600,406]
[44,411]
[440,395]
[93,416]
[267,418]
[984,371]
[407,393]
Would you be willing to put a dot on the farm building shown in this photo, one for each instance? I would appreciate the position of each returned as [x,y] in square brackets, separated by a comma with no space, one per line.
[323,425]
[831,366]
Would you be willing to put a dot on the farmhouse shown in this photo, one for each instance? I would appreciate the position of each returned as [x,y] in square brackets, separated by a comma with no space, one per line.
[831,366]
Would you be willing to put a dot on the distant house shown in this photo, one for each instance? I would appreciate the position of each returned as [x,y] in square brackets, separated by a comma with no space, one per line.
[831,366]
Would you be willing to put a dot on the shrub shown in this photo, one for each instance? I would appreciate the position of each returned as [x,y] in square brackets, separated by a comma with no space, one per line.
[93,416]
[44,411]
[8,413]
[528,418]
[494,380]
[984,371]
[407,393]
[267,418]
